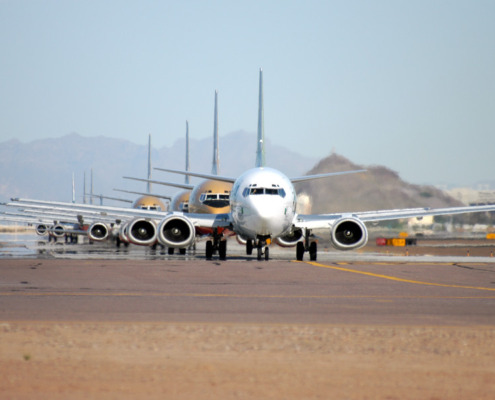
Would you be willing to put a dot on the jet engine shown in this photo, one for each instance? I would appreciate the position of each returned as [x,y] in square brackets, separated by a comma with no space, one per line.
[349,234]
[58,230]
[176,231]
[142,231]
[241,239]
[41,229]
[123,233]
[290,239]
[98,231]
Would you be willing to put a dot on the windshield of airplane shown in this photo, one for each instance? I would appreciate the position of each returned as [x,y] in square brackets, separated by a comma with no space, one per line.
[217,200]
[250,191]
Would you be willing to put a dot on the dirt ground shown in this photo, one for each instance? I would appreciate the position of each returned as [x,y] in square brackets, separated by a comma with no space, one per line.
[110,360]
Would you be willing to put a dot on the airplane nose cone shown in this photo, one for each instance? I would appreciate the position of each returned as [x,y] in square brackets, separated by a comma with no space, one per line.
[270,218]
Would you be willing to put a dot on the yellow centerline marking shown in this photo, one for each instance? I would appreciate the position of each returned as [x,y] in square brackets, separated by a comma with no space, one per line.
[393,278]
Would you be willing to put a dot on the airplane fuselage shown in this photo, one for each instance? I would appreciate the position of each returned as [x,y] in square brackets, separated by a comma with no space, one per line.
[263,204]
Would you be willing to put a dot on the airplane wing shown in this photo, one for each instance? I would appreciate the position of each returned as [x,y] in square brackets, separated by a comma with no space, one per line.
[319,176]
[209,220]
[316,221]
[232,180]
[160,196]
[198,175]
[177,185]
[85,210]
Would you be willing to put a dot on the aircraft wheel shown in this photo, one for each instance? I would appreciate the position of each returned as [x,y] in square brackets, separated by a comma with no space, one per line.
[171,250]
[249,247]
[300,251]
[267,253]
[182,251]
[222,249]
[260,253]
[209,250]
[313,248]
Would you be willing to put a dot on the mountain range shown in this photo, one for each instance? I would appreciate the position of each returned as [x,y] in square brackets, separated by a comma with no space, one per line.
[42,169]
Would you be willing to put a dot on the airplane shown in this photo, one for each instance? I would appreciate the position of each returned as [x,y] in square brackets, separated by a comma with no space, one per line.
[209,196]
[263,209]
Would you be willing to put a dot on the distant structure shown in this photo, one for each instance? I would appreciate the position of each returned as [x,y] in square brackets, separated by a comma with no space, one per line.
[473,197]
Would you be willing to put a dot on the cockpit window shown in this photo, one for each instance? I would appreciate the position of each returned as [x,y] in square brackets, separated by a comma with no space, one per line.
[273,191]
[151,208]
[217,200]
[257,190]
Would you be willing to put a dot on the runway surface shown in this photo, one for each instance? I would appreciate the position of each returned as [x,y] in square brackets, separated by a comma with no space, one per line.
[92,321]
[245,290]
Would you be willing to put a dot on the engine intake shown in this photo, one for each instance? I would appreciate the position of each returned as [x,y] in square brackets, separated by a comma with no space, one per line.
[291,239]
[58,231]
[349,234]
[41,229]
[176,231]
[142,232]
[98,231]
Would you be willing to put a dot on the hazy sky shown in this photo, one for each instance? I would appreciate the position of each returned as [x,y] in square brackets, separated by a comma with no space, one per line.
[406,84]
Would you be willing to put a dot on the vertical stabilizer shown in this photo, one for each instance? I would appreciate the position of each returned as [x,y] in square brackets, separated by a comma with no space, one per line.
[84,188]
[91,188]
[73,188]
[216,163]
[148,188]
[187,152]
[260,150]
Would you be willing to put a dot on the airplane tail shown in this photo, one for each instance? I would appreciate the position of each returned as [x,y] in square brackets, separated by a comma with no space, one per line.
[216,163]
[73,189]
[148,187]
[260,151]
[186,180]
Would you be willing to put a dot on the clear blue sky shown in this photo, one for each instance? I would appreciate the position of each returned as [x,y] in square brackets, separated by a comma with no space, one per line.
[406,84]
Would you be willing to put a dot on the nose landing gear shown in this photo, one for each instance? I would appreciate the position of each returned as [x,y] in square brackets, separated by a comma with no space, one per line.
[262,245]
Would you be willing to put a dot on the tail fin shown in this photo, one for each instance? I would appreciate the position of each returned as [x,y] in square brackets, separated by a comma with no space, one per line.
[216,163]
[73,188]
[260,151]
[186,179]
[84,188]
[148,188]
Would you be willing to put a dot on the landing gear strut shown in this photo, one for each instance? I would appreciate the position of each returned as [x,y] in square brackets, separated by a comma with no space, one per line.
[263,248]
[218,244]
[307,245]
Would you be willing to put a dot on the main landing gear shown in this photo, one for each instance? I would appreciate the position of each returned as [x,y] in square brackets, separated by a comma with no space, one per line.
[307,245]
[262,248]
[218,244]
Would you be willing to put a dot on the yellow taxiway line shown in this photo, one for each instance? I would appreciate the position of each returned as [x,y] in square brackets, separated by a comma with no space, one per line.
[393,278]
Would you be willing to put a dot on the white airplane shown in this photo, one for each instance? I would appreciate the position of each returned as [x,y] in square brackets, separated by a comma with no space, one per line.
[263,209]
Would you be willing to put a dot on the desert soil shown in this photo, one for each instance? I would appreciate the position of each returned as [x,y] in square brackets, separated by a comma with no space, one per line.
[121,360]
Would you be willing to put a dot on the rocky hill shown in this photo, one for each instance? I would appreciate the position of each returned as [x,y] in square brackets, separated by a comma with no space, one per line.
[378,188]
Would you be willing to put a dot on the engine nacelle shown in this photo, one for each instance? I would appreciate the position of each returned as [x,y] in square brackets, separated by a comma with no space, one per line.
[176,231]
[142,231]
[290,239]
[98,231]
[41,229]
[349,234]
[241,239]
[57,230]
[123,235]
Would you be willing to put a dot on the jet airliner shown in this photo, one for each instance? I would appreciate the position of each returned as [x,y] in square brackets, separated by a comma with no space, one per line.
[263,210]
